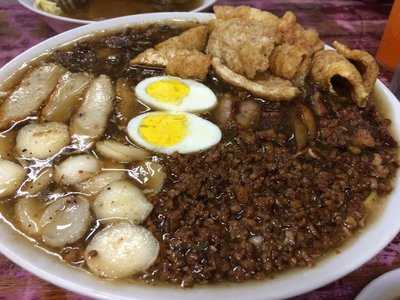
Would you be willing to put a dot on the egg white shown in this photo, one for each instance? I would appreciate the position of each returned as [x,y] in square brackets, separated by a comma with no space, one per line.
[200,98]
[202,134]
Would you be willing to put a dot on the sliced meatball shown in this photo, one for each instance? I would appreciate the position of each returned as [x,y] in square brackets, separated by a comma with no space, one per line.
[41,141]
[122,200]
[121,250]
[33,90]
[90,121]
[120,152]
[65,221]
[76,169]
[11,177]
[28,212]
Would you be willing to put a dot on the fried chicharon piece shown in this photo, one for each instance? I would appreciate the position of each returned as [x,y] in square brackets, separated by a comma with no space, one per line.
[199,64]
[243,45]
[363,61]
[183,63]
[191,39]
[225,12]
[286,60]
[181,55]
[293,33]
[333,72]
[151,57]
[270,87]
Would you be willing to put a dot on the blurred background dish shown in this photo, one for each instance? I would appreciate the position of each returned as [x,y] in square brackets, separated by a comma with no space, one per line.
[385,287]
[62,15]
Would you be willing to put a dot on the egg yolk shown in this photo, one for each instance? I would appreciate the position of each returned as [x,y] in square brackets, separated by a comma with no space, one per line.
[171,91]
[163,129]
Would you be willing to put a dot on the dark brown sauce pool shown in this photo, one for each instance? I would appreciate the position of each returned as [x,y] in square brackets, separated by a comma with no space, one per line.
[105,9]
[215,206]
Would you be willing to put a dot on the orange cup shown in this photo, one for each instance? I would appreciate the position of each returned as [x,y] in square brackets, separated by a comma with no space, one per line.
[389,49]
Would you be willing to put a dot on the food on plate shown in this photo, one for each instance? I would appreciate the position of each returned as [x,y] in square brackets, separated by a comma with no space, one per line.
[191,39]
[290,61]
[89,122]
[175,94]
[11,177]
[76,169]
[28,212]
[196,153]
[96,184]
[270,87]
[363,61]
[65,97]
[43,140]
[121,250]
[33,90]
[65,221]
[122,200]
[39,181]
[181,55]
[7,144]
[225,12]
[149,175]
[243,45]
[120,152]
[170,132]
[335,73]
[294,34]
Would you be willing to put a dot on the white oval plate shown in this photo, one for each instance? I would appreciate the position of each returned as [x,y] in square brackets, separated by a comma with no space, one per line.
[368,244]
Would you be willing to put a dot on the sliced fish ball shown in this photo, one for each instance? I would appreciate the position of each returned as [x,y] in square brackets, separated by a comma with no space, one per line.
[76,169]
[120,152]
[7,144]
[89,122]
[39,183]
[34,89]
[66,97]
[96,184]
[43,140]
[150,175]
[65,221]
[121,250]
[28,212]
[11,177]
[122,200]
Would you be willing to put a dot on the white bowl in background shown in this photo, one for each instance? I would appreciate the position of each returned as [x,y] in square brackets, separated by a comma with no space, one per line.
[61,24]
[372,240]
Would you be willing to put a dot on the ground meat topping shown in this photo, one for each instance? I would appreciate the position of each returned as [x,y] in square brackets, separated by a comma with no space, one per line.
[254,205]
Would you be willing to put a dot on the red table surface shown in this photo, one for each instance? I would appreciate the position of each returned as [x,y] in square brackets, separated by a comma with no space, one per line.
[358,23]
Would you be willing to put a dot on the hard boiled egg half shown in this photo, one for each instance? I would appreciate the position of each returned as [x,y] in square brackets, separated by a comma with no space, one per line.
[175,94]
[169,132]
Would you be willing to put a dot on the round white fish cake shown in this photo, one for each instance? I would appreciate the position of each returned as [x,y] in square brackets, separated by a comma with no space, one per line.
[121,250]
[169,132]
[122,200]
[175,94]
